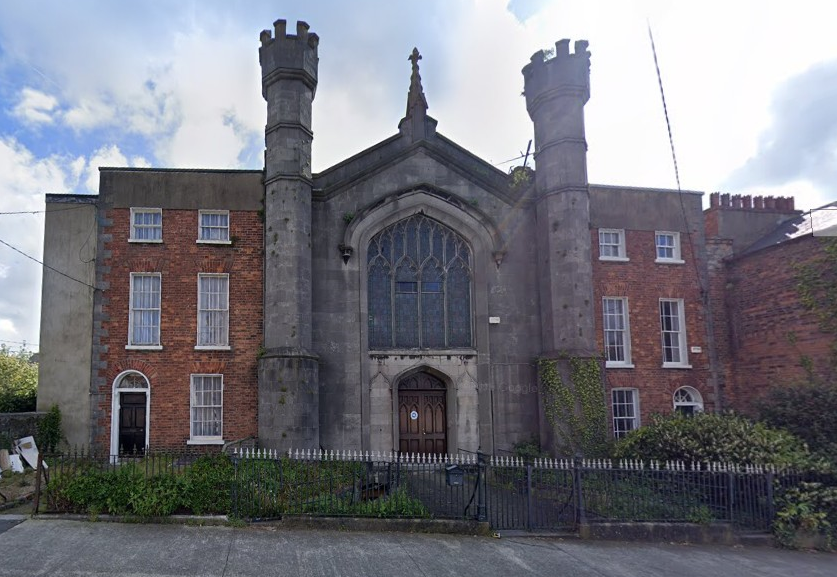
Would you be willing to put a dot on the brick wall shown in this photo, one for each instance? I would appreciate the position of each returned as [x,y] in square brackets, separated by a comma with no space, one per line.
[179,259]
[644,282]
[769,329]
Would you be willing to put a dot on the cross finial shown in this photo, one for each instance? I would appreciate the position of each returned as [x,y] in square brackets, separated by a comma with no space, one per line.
[414,58]
[416,95]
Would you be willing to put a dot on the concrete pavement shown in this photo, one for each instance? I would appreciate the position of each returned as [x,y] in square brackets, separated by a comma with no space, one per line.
[64,548]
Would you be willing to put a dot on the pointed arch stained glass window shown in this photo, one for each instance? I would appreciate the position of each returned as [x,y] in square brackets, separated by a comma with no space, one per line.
[419,281]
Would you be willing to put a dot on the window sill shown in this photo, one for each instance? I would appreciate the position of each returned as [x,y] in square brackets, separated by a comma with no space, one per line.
[422,352]
[676,366]
[145,241]
[143,347]
[670,261]
[212,348]
[210,441]
[612,365]
[614,258]
[222,242]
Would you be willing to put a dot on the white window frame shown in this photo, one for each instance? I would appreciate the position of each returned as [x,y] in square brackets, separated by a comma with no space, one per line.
[625,363]
[193,406]
[622,255]
[695,399]
[201,227]
[132,236]
[224,344]
[682,348]
[676,257]
[618,430]
[156,343]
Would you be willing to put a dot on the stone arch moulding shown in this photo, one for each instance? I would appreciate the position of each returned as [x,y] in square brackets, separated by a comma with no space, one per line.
[423,368]
[426,199]
[136,386]
[450,402]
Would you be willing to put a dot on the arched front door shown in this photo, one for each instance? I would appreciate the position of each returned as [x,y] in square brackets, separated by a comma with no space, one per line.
[130,414]
[422,414]
[132,423]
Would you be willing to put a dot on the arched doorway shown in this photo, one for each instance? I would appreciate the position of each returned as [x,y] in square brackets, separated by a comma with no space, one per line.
[422,414]
[130,413]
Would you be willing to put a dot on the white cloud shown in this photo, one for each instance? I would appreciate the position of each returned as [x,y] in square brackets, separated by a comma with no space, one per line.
[90,113]
[24,179]
[35,107]
[7,328]
[109,155]
[106,156]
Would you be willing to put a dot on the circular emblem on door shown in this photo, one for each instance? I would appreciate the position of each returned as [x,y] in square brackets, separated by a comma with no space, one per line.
[413,415]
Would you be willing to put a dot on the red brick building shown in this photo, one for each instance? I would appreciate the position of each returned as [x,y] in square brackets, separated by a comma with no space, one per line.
[180,323]
[401,299]
[765,336]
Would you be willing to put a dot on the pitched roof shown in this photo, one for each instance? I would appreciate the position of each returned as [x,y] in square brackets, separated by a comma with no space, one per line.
[820,221]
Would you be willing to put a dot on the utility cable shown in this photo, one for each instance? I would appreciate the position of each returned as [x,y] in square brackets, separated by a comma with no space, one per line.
[17,250]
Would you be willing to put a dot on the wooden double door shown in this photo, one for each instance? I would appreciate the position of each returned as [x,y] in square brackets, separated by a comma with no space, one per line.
[422,415]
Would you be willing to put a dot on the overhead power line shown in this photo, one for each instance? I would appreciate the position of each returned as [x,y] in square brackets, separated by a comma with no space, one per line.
[665,108]
[17,250]
[74,207]
[24,343]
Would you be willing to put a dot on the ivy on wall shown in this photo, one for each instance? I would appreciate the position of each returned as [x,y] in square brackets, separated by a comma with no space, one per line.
[576,411]
[816,284]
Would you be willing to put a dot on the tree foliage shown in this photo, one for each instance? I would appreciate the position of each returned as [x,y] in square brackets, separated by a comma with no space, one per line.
[807,410]
[18,381]
[713,438]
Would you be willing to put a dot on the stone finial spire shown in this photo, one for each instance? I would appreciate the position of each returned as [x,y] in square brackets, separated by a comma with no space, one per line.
[416,124]
[415,98]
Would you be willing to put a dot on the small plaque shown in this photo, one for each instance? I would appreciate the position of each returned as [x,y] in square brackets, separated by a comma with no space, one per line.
[494,320]
[696,349]
[414,415]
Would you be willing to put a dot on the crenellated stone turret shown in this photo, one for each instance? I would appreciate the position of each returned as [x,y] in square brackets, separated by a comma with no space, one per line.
[288,369]
[556,90]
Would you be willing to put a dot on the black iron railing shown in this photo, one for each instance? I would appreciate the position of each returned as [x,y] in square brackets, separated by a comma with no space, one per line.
[508,493]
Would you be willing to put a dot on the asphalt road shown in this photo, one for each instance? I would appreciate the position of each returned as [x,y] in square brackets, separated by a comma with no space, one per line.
[78,549]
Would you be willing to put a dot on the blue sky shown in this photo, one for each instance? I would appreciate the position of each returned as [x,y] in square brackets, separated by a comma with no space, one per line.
[750,87]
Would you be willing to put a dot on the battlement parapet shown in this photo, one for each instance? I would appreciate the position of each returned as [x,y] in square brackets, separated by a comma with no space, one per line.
[284,55]
[727,201]
[562,72]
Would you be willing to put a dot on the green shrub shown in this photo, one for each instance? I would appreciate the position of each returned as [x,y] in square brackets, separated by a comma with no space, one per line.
[207,484]
[49,434]
[529,450]
[396,504]
[18,381]
[713,438]
[157,496]
[805,409]
[808,509]
[88,488]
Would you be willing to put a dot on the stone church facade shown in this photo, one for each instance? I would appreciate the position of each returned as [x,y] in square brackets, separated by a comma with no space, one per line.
[399,300]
